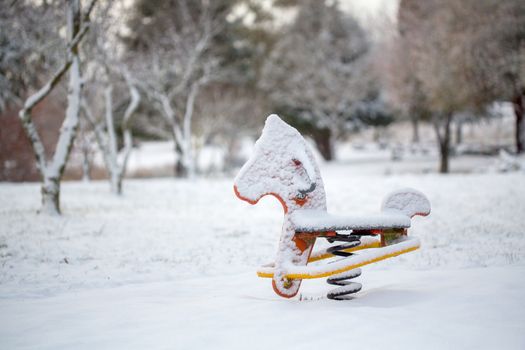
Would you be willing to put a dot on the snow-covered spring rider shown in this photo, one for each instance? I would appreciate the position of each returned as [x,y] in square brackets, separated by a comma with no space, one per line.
[282,165]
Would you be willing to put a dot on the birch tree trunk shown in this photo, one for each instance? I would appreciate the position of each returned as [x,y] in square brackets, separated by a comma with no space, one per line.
[126,128]
[107,141]
[52,171]
[112,149]
[181,130]
[85,149]
[187,147]
[53,174]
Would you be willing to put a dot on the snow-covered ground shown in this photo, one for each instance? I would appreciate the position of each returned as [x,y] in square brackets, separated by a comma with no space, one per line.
[171,265]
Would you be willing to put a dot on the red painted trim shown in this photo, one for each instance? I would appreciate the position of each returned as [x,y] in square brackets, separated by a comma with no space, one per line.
[279,293]
[285,207]
[302,245]
[300,202]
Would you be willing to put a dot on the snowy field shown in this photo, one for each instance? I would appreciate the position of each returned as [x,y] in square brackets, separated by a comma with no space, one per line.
[171,265]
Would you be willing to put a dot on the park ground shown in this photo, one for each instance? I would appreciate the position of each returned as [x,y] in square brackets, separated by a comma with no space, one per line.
[171,265]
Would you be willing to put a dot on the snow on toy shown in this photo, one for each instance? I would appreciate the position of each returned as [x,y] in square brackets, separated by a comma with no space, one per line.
[283,166]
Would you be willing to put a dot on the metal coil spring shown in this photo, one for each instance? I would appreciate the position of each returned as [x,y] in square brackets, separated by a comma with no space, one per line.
[342,279]
[347,287]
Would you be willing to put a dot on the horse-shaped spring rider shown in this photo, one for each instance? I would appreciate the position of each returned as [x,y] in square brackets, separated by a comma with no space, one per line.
[282,165]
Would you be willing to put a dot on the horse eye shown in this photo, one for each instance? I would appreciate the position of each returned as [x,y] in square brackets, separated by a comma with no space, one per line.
[297,162]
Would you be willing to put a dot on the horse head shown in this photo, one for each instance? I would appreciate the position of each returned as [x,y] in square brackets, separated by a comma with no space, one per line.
[281,165]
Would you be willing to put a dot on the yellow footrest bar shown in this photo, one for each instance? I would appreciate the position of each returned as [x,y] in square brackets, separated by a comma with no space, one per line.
[365,257]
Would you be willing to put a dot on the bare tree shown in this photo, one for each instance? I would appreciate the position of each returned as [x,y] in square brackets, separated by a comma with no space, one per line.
[434,37]
[394,68]
[51,171]
[495,56]
[106,135]
[224,113]
[108,72]
[178,67]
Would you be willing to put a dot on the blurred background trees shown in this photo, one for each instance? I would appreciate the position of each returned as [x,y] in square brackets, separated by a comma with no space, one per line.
[463,56]
[207,72]
[315,72]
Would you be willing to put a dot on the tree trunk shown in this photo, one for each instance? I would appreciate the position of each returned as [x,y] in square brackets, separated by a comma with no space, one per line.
[189,162]
[54,171]
[116,182]
[50,196]
[188,158]
[444,152]
[86,166]
[325,145]
[112,148]
[415,130]
[519,110]
[113,180]
[85,149]
[119,186]
[126,128]
[376,135]
[229,157]
[179,169]
[442,129]
[459,132]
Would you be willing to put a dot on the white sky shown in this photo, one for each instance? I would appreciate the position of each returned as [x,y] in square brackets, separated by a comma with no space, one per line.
[367,11]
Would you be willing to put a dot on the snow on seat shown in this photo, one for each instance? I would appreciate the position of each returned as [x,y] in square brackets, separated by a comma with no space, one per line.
[321,221]
[397,210]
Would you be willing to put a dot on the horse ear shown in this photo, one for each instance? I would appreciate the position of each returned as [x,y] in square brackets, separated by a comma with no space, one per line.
[274,120]
[275,129]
